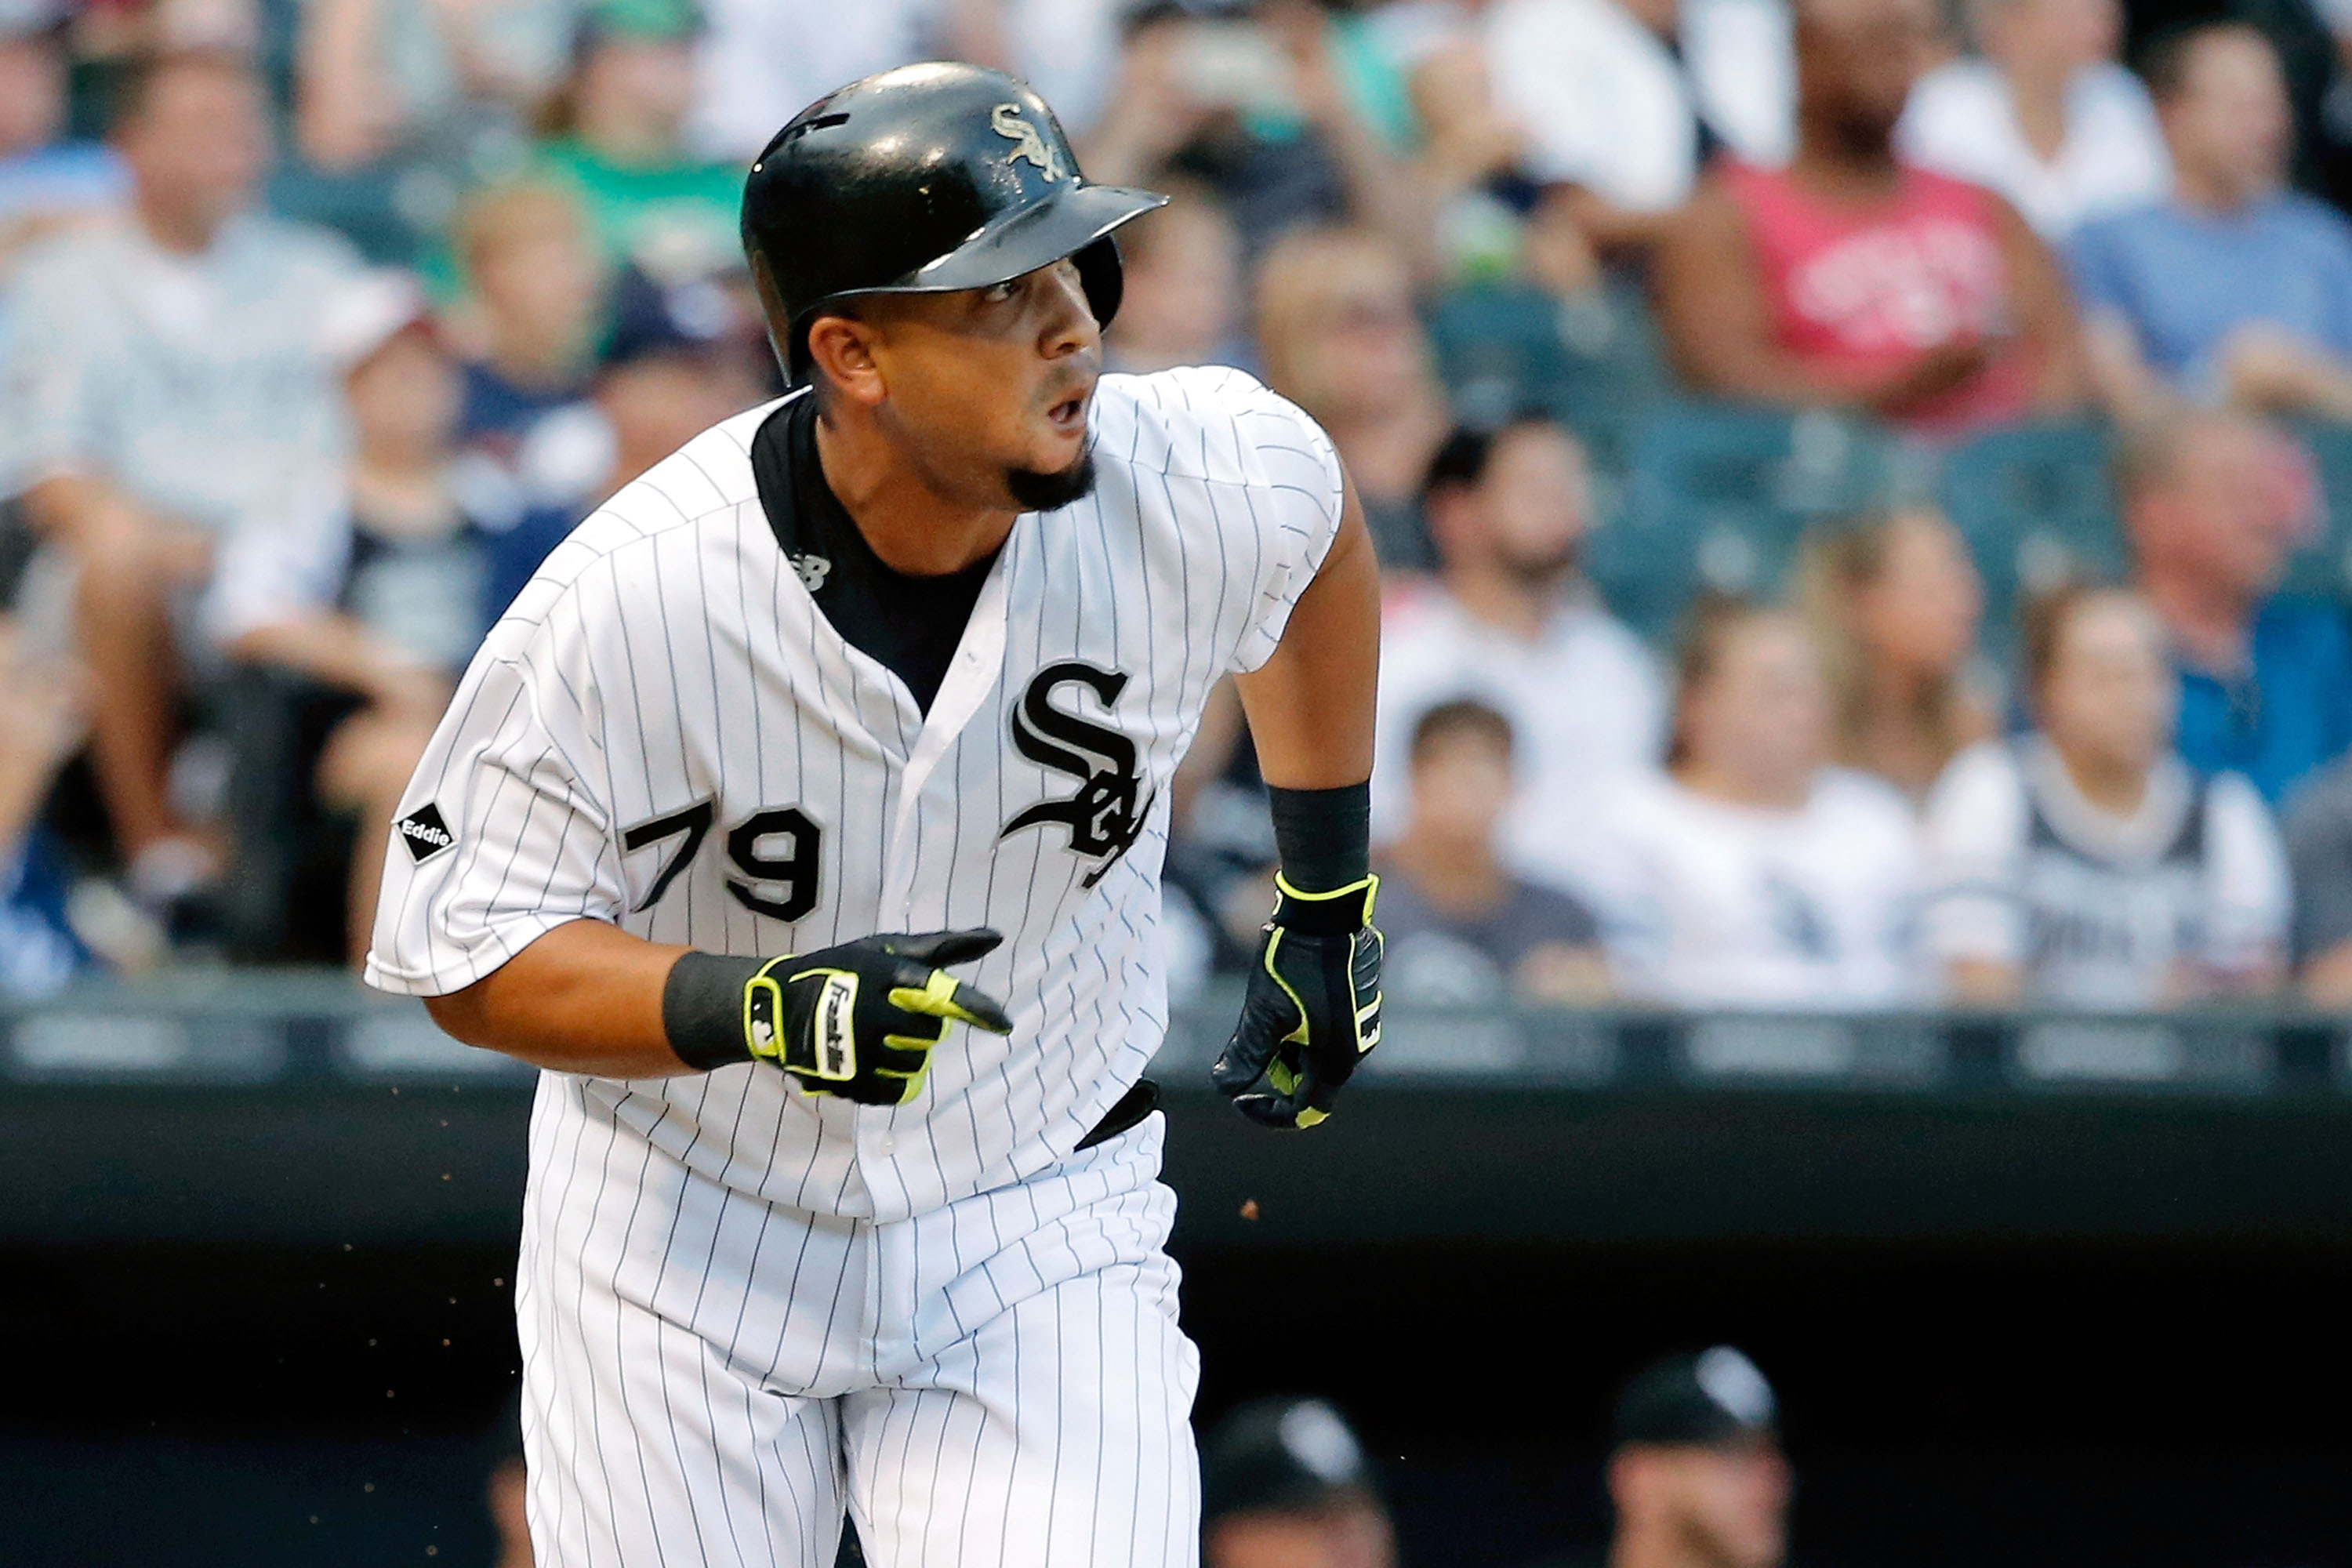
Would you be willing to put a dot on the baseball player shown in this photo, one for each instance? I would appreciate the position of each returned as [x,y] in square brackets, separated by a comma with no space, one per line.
[803,819]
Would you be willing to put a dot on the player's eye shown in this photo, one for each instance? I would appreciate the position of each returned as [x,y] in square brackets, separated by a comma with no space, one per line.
[997,293]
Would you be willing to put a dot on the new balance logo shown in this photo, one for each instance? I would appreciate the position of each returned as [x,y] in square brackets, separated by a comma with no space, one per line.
[425,833]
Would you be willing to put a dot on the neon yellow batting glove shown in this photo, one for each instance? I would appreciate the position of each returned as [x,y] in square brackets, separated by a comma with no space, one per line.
[1313,1009]
[859,1020]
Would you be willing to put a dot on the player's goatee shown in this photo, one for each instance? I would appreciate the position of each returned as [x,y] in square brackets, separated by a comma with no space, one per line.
[1039,491]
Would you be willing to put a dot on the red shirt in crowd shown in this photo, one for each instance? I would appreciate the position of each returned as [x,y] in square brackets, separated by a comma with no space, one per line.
[1869,290]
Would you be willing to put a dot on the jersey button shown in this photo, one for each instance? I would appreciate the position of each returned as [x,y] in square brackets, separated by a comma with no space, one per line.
[887,1143]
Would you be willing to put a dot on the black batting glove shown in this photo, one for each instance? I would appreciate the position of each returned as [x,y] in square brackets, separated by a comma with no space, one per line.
[1313,1007]
[859,1020]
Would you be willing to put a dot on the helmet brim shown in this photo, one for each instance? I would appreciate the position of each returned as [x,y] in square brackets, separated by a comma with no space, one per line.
[1025,240]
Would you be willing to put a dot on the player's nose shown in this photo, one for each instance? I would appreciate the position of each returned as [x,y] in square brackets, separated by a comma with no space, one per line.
[1070,326]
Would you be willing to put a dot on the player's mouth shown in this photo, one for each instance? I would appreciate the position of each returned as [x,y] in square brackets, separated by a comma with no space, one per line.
[1069,415]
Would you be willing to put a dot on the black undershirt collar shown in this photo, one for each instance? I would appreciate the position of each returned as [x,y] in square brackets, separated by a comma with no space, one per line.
[911,625]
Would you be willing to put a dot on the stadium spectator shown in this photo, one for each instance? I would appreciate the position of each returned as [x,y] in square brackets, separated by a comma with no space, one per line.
[164,387]
[1511,620]
[2213,504]
[680,359]
[620,144]
[1695,1472]
[2086,865]
[400,103]
[1491,220]
[1461,929]
[2042,114]
[759,61]
[46,183]
[2319,859]
[1622,101]
[1182,301]
[1850,278]
[1751,873]
[1894,603]
[1285,1484]
[1254,100]
[1338,337]
[40,718]
[381,599]
[531,314]
[2236,288]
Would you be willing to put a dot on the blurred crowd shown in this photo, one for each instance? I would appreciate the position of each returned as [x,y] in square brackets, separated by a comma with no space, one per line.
[1693,1474]
[322,321]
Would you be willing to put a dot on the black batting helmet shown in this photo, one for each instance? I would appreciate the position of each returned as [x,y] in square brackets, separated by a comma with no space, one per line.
[925,179]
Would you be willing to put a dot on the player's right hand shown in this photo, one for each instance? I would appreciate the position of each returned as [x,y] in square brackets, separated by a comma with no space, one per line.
[859,1020]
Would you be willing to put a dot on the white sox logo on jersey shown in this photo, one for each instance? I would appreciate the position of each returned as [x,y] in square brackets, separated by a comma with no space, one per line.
[1103,818]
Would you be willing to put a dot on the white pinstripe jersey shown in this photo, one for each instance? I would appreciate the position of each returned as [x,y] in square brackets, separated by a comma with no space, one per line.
[666,733]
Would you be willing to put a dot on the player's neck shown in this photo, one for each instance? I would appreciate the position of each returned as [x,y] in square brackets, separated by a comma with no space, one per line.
[905,520]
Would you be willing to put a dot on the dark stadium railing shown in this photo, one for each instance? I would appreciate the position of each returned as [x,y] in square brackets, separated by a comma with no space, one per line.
[256,1029]
[291,1108]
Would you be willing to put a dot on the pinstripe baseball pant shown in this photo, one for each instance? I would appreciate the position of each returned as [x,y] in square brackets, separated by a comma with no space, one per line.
[709,1380]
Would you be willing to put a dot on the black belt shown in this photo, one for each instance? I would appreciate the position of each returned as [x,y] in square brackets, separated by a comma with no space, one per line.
[1133,1106]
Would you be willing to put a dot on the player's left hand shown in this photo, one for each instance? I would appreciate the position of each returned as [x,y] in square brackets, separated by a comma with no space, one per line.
[859,1020]
[1313,1009]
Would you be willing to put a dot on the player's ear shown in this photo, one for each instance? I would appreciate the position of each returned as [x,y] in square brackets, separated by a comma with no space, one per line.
[840,349]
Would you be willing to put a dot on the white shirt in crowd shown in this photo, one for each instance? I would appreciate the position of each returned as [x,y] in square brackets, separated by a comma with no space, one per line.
[195,382]
[1707,904]
[1962,123]
[1584,700]
[762,61]
[2097,910]
[1606,105]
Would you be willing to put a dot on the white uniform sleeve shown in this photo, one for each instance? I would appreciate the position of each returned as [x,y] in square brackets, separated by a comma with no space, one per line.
[2246,886]
[1976,825]
[502,835]
[1296,510]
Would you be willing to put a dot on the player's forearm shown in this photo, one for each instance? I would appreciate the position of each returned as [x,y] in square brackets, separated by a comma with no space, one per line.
[585,998]
[1311,706]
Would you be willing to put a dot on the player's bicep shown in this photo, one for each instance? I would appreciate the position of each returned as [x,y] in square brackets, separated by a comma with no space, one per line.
[1310,703]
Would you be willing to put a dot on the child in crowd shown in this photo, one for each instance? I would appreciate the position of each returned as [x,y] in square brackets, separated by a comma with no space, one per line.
[376,593]
[1752,873]
[2086,865]
[1460,930]
[534,285]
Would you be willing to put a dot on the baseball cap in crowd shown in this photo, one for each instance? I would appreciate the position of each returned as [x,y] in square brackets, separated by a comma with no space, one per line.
[1714,1398]
[367,312]
[653,320]
[1281,1456]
